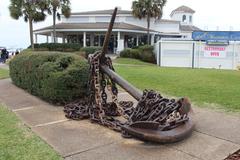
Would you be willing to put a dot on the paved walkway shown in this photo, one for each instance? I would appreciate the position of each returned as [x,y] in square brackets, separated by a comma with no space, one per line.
[215,137]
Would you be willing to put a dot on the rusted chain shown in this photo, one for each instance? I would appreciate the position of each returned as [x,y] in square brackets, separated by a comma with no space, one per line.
[152,107]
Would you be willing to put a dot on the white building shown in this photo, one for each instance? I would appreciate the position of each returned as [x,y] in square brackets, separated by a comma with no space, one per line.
[89,28]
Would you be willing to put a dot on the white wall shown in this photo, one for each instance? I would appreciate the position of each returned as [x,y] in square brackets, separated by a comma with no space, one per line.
[75,19]
[237,54]
[178,17]
[181,54]
[155,25]
[229,62]
[178,54]
[166,27]
[187,35]
[135,21]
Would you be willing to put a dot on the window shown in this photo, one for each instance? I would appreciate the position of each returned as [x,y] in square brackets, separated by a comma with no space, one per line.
[190,19]
[184,18]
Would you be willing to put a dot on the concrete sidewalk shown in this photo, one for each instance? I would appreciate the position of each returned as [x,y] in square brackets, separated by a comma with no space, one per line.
[216,135]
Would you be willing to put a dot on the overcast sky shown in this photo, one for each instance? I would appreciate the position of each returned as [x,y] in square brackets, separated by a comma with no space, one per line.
[210,14]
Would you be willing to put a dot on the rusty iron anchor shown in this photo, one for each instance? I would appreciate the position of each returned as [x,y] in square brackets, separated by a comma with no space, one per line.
[148,131]
[155,118]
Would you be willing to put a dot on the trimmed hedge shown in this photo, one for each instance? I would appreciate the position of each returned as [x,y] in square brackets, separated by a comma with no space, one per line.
[144,53]
[61,47]
[89,50]
[55,77]
[130,53]
[147,54]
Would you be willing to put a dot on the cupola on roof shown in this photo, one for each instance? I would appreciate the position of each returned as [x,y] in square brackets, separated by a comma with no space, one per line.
[182,9]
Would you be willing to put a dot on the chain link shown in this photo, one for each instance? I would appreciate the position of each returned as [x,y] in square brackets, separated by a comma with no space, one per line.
[152,107]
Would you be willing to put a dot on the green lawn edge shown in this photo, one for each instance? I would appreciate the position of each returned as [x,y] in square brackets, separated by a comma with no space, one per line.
[18,142]
[4,73]
[130,61]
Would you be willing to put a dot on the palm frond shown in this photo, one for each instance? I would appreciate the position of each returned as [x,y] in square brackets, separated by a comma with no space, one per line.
[148,8]
[39,16]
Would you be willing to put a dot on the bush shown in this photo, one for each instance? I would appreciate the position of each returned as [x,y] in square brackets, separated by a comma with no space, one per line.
[238,68]
[130,53]
[61,47]
[135,54]
[90,50]
[147,54]
[144,53]
[126,53]
[55,77]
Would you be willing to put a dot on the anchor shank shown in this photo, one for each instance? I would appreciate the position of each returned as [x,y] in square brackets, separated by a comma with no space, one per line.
[133,91]
[108,33]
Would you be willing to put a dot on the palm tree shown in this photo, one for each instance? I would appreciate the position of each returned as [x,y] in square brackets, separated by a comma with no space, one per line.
[30,10]
[56,5]
[148,9]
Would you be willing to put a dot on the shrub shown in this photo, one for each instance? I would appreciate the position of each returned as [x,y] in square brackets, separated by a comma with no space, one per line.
[130,53]
[144,53]
[238,68]
[126,53]
[147,54]
[135,53]
[55,77]
[62,47]
[42,49]
[89,50]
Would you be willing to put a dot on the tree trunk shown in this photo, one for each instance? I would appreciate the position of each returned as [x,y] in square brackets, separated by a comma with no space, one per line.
[54,25]
[148,30]
[30,21]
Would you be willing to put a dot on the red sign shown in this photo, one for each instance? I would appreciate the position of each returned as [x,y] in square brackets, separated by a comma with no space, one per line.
[215,51]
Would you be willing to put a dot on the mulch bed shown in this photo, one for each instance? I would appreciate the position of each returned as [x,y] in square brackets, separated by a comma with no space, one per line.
[234,156]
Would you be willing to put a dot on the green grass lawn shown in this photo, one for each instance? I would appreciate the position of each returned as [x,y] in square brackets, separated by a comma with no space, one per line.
[4,73]
[130,61]
[218,87]
[17,142]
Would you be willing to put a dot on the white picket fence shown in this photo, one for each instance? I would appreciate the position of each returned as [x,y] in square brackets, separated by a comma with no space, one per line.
[194,54]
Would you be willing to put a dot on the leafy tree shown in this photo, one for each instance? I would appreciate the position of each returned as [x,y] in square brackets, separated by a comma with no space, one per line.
[30,10]
[54,7]
[148,9]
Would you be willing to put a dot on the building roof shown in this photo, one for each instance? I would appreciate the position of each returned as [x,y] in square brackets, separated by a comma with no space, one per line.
[110,11]
[167,21]
[97,25]
[190,28]
[184,9]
